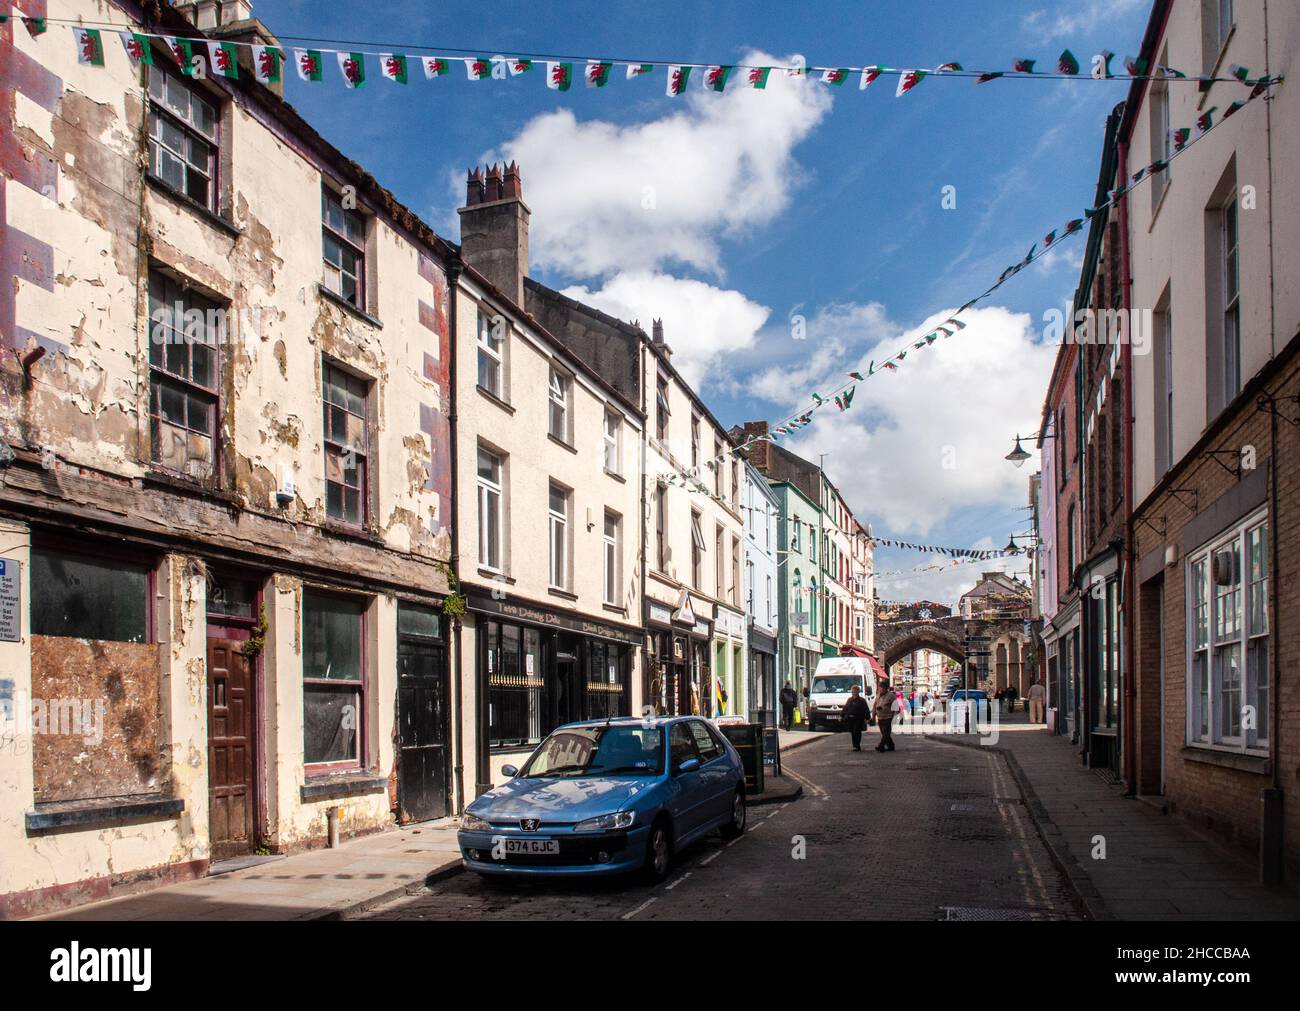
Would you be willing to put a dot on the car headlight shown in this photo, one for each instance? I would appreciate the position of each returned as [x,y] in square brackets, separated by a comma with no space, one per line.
[473,823]
[606,822]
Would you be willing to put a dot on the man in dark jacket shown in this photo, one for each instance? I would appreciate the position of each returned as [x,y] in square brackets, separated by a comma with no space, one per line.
[855,716]
[788,699]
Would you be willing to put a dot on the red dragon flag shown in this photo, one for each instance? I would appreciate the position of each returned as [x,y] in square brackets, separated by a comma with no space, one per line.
[908,80]
[559,76]
[353,68]
[267,61]
[518,66]
[835,75]
[1067,64]
[137,48]
[90,47]
[182,52]
[222,58]
[715,77]
[434,66]
[678,75]
[393,67]
[479,68]
[1023,66]
[869,74]
[639,69]
[756,77]
[309,65]
[597,74]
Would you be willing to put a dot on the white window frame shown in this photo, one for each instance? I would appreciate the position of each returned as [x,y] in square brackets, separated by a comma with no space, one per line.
[558,524]
[490,495]
[1213,638]
[494,356]
[613,443]
[1224,12]
[698,551]
[612,575]
[559,405]
[1230,263]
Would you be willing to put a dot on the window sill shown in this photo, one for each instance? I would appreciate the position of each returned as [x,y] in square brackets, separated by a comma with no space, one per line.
[618,609]
[1203,96]
[85,814]
[495,399]
[615,475]
[495,576]
[165,189]
[1238,760]
[185,484]
[362,534]
[344,304]
[556,591]
[561,442]
[327,786]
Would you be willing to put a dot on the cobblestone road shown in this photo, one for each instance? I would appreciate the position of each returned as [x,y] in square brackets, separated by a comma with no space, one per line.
[930,832]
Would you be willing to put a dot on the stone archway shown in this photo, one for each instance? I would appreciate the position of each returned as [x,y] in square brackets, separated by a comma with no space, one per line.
[922,635]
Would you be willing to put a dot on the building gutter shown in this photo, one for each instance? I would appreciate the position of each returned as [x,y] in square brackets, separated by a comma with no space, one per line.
[454,267]
[1128,564]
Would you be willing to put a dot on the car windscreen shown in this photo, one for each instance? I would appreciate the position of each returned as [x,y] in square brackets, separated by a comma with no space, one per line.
[599,751]
[836,683]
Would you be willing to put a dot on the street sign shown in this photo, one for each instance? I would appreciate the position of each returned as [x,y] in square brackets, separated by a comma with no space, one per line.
[9,599]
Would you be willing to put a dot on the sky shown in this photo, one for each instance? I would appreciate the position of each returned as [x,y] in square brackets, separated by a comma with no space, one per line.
[787,236]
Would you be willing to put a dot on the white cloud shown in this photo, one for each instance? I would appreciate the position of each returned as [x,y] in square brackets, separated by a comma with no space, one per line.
[830,336]
[611,197]
[1082,17]
[947,586]
[701,322]
[925,442]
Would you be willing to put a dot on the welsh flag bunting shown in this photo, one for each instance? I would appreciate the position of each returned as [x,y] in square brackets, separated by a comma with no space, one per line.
[137,48]
[478,69]
[1178,138]
[1101,65]
[90,47]
[715,78]
[856,375]
[434,66]
[1049,238]
[182,52]
[908,80]
[639,69]
[34,26]
[518,67]
[393,67]
[756,77]
[818,398]
[266,64]
[353,68]
[1067,64]
[1170,72]
[869,74]
[1240,73]
[678,75]
[222,59]
[891,366]
[1135,67]
[987,76]
[956,322]
[309,64]
[559,76]
[1071,226]
[835,75]
[1233,108]
[1205,121]
[1137,176]
[1024,66]
[948,68]
[597,75]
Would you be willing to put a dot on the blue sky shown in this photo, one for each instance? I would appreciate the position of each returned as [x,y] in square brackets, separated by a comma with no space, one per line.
[821,202]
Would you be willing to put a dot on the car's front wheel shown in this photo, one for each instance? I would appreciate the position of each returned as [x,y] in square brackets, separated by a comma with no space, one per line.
[735,828]
[658,852]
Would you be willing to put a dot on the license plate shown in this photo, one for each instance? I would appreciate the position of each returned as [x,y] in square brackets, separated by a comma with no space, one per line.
[532,845]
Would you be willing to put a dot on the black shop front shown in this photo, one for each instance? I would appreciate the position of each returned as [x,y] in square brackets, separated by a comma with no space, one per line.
[677,667]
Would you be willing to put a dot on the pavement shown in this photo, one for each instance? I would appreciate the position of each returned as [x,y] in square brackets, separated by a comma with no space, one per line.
[317,885]
[1125,858]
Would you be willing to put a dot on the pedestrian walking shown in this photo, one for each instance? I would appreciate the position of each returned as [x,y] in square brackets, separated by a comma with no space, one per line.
[1036,694]
[885,707]
[788,699]
[1012,695]
[855,715]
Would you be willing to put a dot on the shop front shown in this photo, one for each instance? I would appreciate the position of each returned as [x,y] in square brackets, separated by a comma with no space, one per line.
[762,677]
[806,652]
[729,663]
[678,667]
[542,668]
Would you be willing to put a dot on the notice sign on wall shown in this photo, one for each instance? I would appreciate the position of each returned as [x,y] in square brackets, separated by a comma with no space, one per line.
[9,601]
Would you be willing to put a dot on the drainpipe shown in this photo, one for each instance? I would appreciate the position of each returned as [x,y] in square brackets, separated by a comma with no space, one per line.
[1128,561]
[455,654]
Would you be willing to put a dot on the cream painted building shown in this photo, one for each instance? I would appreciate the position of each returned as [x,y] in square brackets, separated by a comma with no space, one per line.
[224,479]
[549,530]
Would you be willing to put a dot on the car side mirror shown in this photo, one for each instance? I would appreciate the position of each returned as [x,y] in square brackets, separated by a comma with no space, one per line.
[690,765]
[509,771]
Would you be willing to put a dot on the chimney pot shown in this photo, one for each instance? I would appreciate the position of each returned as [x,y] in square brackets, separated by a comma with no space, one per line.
[494,228]
[474,187]
[493,191]
[511,185]
[657,331]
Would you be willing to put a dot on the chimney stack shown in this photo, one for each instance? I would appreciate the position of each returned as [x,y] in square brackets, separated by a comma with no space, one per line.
[233,21]
[494,228]
[758,451]
[657,338]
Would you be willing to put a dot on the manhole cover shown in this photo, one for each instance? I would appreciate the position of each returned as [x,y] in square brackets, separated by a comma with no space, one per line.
[967,913]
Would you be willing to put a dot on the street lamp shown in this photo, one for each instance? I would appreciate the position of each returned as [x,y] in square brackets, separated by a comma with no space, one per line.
[1018,456]
[1012,547]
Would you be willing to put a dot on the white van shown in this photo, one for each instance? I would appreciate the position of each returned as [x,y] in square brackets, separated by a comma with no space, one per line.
[831,684]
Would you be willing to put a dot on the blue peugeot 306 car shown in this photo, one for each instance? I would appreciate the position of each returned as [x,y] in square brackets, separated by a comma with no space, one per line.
[608,797]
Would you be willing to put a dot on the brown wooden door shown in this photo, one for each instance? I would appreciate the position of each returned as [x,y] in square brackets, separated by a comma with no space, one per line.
[230,749]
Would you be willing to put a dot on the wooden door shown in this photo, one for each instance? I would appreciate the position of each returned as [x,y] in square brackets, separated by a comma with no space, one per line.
[230,749]
[423,769]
